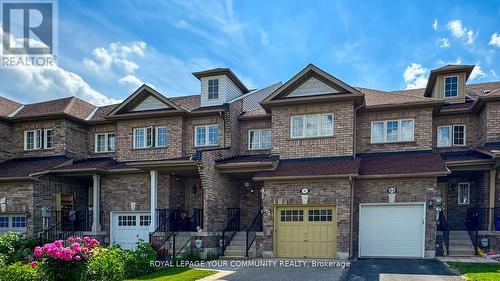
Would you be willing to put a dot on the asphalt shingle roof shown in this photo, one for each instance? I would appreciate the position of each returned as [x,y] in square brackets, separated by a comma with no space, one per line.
[23,167]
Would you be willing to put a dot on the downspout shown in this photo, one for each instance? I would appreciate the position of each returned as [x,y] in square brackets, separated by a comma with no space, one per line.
[351,180]
[351,225]
[223,128]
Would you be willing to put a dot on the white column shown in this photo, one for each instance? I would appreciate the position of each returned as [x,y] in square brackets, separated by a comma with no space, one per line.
[96,204]
[154,191]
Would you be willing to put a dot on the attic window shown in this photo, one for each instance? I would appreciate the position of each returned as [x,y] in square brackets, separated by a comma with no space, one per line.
[450,86]
[213,89]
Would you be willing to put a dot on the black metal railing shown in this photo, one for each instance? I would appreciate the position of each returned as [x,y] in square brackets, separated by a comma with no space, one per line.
[163,231]
[252,231]
[63,224]
[232,227]
[445,228]
[477,219]
[182,222]
[197,219]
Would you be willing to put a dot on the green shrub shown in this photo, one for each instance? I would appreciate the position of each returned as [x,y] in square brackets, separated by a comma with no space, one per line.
[20,272]
[137,261]
[107,265]
[191,255]
[16,247]
[212,255]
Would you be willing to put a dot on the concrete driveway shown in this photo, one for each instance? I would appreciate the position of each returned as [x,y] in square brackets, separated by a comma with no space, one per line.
[360,270]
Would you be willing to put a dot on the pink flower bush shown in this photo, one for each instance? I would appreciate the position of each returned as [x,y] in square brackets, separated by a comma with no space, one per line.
[73,249]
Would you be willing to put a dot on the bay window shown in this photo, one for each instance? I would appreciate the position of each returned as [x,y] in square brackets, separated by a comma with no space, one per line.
[392,131]
[309,126]
[259,139]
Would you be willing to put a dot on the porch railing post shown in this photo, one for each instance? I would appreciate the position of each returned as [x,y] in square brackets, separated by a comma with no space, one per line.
[96,204]
[493,175]
[153,206]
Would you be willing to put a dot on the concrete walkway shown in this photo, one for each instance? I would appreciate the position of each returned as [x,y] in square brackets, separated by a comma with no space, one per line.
[467,259]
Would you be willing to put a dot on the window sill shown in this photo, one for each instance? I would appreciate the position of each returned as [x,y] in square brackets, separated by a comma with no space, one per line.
[260,149]
[394,142]
[103,152]
[149,148]
[312,138]
[39,149]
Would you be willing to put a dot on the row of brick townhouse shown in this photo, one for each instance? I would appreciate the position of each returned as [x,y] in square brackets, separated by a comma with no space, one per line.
[312,167]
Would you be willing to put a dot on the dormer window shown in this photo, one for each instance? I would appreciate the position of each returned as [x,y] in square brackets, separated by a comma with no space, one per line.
[450,86]
[213,89]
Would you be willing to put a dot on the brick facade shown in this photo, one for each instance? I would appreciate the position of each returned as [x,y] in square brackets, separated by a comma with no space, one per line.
[472,130]
[340,144]
[245,127]
[422,131]
[20,199]
[331,192]
[5,142]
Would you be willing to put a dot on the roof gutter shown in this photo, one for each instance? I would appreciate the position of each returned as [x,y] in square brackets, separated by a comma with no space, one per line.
[315,177]
[409,175]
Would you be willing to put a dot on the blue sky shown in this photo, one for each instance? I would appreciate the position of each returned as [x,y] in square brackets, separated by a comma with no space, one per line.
[108,48]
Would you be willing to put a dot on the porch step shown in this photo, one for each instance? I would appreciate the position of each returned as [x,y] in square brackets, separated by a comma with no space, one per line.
[237,248]
[460,244]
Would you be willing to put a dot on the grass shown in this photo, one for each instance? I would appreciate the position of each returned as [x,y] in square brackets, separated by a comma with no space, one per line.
[477,271]
[176,274]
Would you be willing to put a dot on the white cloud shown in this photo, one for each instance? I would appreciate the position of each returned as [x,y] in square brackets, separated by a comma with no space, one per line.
[264,38]
[31,84]
[131,81]
[117,55]
[477,73]
[495,40]
[443,42]
[415,76]
[435,24]
[493,73]
[459,31]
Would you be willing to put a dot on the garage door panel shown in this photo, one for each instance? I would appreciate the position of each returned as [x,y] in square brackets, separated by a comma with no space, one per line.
[309,232]
[128,228]
[391,230]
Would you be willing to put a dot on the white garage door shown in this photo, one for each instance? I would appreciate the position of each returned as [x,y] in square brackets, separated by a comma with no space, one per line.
[391,230]
[128,227]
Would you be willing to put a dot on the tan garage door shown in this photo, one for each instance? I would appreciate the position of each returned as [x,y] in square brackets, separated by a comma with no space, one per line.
[306,231]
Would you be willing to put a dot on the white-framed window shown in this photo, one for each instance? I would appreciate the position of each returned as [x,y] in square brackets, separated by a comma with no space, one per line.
[143,137]
[19,222]
[450,86]
[259,139]
[393,131]
[310,126]
[127,220]
[451,135]
[48,140]
[463,193]
[104,142]
[213,89]
[207,135]
[144,220]
[4,222]
[33,139]
[161,137]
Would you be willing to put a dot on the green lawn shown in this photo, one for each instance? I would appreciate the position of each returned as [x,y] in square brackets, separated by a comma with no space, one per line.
[176,274]
[477,271]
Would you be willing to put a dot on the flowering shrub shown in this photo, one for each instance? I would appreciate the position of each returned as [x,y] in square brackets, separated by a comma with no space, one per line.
[66,260]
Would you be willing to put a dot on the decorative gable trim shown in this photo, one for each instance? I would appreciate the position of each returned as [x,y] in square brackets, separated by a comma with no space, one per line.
[145,101]
[150,103]
[312,87]
[294,90]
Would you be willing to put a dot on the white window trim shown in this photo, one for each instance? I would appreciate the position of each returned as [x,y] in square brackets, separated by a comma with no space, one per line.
[156,136]
[134,138]
[208,89]
[303,136]
[450,136]
[453,135]
[45,138]
[207,135]
[106,139]
[468,193]
[384,129]
[444,86]
[260,139]
[40,140]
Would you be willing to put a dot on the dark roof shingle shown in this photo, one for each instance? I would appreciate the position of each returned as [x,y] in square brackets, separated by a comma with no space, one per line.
[314,167]
[23,167]
[71,105]
[8,106]
[405,163]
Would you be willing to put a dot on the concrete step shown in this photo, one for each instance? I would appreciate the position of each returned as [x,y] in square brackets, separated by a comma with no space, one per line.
[235,248]
[233,257]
